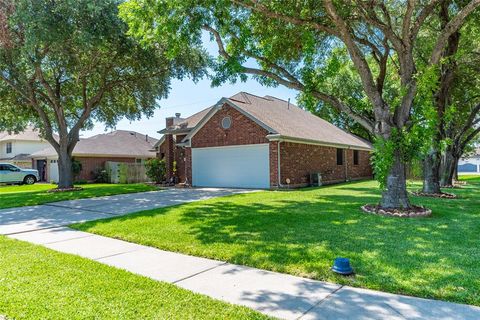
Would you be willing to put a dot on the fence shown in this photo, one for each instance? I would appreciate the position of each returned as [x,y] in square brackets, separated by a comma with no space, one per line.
[119,172]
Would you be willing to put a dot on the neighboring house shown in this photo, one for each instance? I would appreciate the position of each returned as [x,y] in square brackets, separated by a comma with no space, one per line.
[470,165]
[16,148]
[94,152]
[260,142]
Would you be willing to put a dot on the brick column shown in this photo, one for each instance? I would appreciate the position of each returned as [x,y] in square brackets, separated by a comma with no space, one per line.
[188,165]
[169,155]
[273,147]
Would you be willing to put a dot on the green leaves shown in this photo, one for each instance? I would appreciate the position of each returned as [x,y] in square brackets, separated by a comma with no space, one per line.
[86,55]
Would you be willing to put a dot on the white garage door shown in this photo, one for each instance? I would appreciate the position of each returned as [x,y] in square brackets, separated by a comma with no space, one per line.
[233,166]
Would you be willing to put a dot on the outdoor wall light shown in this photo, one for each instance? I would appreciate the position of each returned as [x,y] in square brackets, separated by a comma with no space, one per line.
[342,266]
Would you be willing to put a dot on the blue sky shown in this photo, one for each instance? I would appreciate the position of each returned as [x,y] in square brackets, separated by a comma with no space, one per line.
[188,98]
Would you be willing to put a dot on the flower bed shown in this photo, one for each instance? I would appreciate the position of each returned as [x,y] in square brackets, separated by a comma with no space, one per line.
[444,195]
[413,212]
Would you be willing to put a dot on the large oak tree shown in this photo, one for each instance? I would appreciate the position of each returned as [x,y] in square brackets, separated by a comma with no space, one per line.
[290,40]
[66,63]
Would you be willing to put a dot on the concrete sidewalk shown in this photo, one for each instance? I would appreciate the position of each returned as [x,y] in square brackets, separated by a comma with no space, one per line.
[279,295]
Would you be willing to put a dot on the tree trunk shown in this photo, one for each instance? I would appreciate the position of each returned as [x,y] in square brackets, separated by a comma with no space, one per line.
[431,172]
[65,169]
[395,196]
[455,169]
[448,168]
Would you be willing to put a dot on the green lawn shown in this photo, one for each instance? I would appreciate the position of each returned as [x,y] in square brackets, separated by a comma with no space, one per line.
[24,195]
[38,283]
[301,232]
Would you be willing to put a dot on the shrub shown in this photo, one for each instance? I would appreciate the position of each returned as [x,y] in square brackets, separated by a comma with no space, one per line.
[101,175]
[155,169]
[76,168]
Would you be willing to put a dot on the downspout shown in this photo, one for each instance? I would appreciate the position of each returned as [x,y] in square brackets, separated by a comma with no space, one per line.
[346,164]
[280,185]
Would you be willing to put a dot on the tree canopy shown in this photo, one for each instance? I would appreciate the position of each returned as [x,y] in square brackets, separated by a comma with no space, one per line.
[67,63]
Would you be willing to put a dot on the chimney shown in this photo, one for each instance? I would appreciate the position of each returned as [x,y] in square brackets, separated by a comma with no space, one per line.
[169,122]
[288,104]
[146,137]
[177,114]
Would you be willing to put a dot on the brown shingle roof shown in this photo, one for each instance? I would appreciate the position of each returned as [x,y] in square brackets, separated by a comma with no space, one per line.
[288,120]
[117,143]
[194,119]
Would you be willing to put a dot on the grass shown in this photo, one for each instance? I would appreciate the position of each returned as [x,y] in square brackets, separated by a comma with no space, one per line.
[301,232]
[29,195]
[38,283]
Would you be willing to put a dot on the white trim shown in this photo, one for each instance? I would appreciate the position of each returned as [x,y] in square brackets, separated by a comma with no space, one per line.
[277,137]
[235,146]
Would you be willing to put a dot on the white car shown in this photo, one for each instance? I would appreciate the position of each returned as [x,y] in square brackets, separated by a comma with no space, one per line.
[13,174]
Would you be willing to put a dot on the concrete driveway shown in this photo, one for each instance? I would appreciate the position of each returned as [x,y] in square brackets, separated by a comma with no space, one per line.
[57,214]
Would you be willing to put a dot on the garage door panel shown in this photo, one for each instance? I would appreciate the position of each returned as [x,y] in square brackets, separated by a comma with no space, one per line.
[237,166]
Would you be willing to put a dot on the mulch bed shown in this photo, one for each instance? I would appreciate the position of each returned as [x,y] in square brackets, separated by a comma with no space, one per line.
[413,212]
[65,190]
[456,185]
[443,195]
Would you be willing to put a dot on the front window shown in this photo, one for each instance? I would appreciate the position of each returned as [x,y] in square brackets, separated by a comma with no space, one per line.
[356,157]
[9,147]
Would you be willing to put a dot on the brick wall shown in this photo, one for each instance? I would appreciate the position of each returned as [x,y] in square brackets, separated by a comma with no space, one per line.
[298,161]
[90,164]
[242,131]
[363,169]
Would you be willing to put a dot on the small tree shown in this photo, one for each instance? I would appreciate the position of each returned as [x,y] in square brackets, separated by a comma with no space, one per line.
[156,169]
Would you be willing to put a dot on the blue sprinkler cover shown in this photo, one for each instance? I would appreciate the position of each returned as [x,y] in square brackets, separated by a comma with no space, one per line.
[342,266]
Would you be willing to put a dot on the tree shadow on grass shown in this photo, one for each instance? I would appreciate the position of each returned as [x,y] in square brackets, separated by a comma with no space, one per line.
[301,232]
[431,257]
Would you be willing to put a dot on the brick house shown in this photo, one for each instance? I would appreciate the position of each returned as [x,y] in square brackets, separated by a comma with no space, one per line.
[260,142]
[117,146]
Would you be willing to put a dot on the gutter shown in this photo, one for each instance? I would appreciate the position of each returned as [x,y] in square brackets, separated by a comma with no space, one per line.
[278,137]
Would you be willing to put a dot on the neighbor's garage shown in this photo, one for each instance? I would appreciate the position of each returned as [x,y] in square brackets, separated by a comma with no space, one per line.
[240,166]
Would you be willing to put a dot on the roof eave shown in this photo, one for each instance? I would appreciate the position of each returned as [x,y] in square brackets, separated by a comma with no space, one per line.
[278,137]
[175,131]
